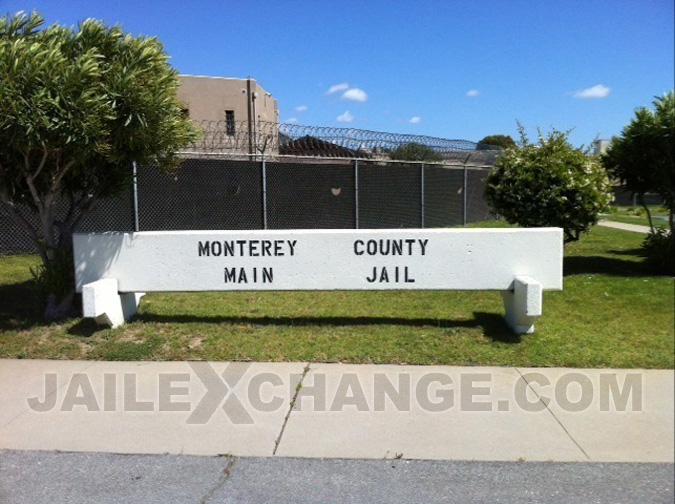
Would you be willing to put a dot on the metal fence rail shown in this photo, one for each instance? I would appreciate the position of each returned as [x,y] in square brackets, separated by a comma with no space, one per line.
[221,192]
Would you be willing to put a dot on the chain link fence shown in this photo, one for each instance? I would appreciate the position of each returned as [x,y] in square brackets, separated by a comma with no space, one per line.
[303,178]
[109,215]
[225,193]
[299,194]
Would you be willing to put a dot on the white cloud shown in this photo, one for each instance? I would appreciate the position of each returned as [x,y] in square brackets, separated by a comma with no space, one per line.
[598,91]
[292,120]
[337,88]
[345,118]
[301,108]
[472,93]
[355,94]
[415,120]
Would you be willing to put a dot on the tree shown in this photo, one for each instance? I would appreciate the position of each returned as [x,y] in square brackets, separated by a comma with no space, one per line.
[643,160]
[643,157]
[549,183]
[414,151]
[503,141]
[77,107]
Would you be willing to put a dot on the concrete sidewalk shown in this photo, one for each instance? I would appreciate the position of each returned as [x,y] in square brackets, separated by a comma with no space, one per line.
[338,410]
[626,227]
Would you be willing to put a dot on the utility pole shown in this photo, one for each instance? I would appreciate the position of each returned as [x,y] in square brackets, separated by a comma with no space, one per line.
[250,113]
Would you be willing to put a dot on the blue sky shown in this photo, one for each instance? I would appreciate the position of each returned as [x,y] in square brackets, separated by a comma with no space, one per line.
[461,70]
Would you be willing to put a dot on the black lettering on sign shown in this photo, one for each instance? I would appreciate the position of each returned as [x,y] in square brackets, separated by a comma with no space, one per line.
[385,247]
[239,275]
[204,248]
[291,245]
[397,247]
[246,248]
[229,248]
[407,278]
[400,274]
[230,275]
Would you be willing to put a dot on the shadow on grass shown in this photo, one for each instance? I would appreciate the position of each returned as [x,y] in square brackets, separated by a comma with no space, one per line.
[21,309]
[584,265]
[86,328]
[20,306]
[494,326]
[635,252]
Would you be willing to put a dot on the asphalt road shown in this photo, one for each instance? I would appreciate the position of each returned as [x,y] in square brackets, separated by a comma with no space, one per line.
[54,478]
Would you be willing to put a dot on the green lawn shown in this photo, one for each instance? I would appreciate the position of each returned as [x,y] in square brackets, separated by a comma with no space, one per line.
[638,215]
[610,314]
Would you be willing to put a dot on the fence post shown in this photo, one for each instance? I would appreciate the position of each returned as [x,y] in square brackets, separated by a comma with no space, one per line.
[135,196]
[356,194]
[422,195]
[464,191]
[263,167]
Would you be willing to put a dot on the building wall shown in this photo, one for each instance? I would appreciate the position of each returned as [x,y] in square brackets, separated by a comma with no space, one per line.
[207,99]
[252,110]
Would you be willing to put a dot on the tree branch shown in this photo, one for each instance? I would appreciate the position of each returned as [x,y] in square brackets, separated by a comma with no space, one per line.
[59,176]
[44,207]
[89,203]
[43,162]
[29,180]
[69,213]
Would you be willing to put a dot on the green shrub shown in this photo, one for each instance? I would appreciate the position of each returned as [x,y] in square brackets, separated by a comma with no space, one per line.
[659,250]
[549,183]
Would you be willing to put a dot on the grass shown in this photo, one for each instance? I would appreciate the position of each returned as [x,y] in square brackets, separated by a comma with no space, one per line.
[638,215]
[611,313]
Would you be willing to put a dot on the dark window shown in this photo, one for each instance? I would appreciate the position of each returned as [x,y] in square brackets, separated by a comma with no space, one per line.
[229,122]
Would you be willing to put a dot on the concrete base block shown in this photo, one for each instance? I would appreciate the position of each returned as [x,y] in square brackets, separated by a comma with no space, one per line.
[130,302]
[523,304]
[102,302]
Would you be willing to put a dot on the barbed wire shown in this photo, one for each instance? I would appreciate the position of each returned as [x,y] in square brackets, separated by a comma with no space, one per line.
[269,138]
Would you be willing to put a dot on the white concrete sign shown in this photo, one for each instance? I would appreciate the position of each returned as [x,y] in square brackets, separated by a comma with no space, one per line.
[465,259]
[411,259]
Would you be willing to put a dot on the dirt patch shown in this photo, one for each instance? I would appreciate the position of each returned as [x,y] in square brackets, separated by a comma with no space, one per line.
[195,342]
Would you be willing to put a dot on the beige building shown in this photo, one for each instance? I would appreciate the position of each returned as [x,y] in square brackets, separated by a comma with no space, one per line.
[239,110]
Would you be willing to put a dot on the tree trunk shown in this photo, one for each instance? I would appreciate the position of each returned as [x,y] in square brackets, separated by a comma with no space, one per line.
[59,309]
[57,280]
